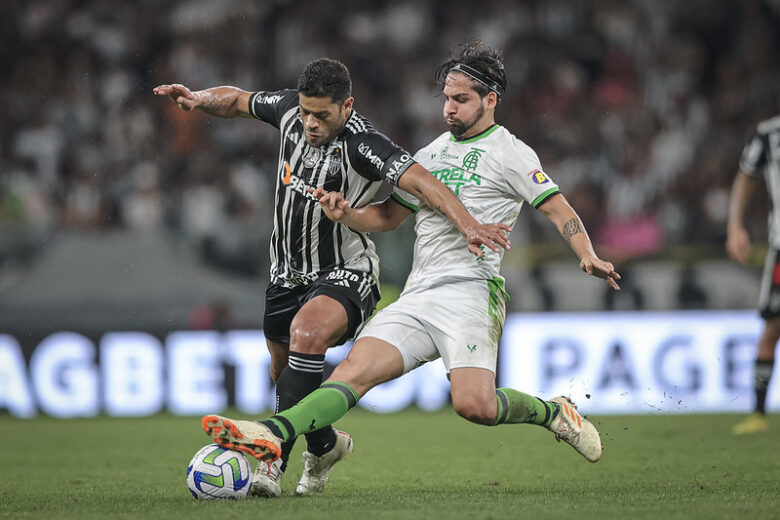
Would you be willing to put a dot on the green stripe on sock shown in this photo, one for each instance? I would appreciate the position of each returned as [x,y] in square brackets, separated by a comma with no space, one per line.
[524,408]
[348,391]
[503,407]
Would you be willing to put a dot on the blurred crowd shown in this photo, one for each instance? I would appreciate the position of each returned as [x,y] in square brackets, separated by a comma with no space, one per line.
[639,110]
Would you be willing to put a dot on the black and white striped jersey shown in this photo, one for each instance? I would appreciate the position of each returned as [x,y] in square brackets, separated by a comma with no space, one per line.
[763,151]
[305,242]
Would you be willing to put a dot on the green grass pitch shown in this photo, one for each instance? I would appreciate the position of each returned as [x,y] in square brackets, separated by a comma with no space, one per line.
[407,465]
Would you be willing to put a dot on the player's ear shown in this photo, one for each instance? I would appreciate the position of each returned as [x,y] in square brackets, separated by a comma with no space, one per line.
[348,103]
[492,100]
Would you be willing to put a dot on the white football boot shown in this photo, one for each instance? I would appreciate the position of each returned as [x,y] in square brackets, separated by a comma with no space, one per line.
[266,479]
[251,437]
[569,426]
[316,469]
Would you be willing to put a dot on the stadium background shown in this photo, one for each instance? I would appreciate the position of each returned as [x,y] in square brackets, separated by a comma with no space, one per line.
[121,214]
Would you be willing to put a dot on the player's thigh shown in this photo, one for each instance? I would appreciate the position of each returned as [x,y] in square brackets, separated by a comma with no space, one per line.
[281,305]
[319,324]
[399,325]
[371,362]
[465,320]
[344,297]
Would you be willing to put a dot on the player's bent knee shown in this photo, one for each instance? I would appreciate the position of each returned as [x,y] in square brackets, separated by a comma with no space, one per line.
[476,411]
[307,341]
[355,375]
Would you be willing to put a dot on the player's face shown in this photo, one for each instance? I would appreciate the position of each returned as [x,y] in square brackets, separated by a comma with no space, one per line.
[322,119]
[465,112]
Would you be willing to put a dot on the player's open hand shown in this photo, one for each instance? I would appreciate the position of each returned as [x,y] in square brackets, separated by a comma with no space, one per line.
[333,204]
[490,235]
[179,94]
[597,267]
[738,244]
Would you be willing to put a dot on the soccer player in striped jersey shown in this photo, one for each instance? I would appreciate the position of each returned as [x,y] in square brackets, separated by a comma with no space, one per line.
[762,152]
[324,274]
[453,305]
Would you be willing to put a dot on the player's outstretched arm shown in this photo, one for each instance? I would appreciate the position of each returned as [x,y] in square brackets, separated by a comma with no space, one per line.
[560,213]
[224,102]
[382,216]
[737,238]
[419,182]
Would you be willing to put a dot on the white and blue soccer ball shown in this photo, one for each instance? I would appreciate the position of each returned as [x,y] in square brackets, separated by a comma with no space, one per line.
[217,472]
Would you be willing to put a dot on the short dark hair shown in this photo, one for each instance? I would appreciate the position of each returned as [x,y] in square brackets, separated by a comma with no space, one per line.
[487,61]
[326,78]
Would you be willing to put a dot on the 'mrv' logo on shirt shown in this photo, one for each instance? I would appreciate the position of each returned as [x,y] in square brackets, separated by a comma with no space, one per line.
[368,153]
[268,100]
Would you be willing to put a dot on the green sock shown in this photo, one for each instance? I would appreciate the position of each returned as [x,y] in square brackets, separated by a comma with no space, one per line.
[516,407]
[324,406]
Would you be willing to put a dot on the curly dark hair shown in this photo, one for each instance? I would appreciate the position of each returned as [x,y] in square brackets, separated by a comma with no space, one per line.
[326,78]
[486,60]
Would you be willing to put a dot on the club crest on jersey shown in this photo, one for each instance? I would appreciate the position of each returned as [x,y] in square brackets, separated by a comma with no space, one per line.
[538,176]
[312,157]
[334,166]
[471,159]
[295,183]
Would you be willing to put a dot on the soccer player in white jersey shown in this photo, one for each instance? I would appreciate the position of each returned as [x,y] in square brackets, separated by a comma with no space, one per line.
[324,275]
[761,152]
[453,305]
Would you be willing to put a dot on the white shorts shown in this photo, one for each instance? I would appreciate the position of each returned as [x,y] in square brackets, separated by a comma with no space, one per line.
[460,322]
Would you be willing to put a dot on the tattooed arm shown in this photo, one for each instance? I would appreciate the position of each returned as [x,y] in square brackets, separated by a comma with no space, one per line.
[560,213]
[419,182]
[218,101]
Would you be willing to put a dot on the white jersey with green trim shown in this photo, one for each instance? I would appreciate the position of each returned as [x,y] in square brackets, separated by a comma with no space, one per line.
[492,174]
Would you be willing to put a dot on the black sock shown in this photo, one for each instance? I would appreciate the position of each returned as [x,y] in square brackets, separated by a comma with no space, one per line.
[301,376]
[763,373]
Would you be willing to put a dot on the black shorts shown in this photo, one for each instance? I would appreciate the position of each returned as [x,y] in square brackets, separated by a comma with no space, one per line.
[769,295]
[355,290]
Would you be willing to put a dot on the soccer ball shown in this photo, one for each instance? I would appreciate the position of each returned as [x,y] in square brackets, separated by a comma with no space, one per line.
[217,472]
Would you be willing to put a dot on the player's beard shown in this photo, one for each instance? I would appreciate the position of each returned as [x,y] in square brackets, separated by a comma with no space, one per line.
[458,128]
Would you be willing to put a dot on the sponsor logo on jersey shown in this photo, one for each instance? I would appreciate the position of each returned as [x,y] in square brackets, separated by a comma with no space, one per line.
[538,176]
[295,183]
[369,154]
[455,178]
[341,274]
[312,157]
[471,159]
[398,166]
[296,281]
[445,154]
[268,100]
